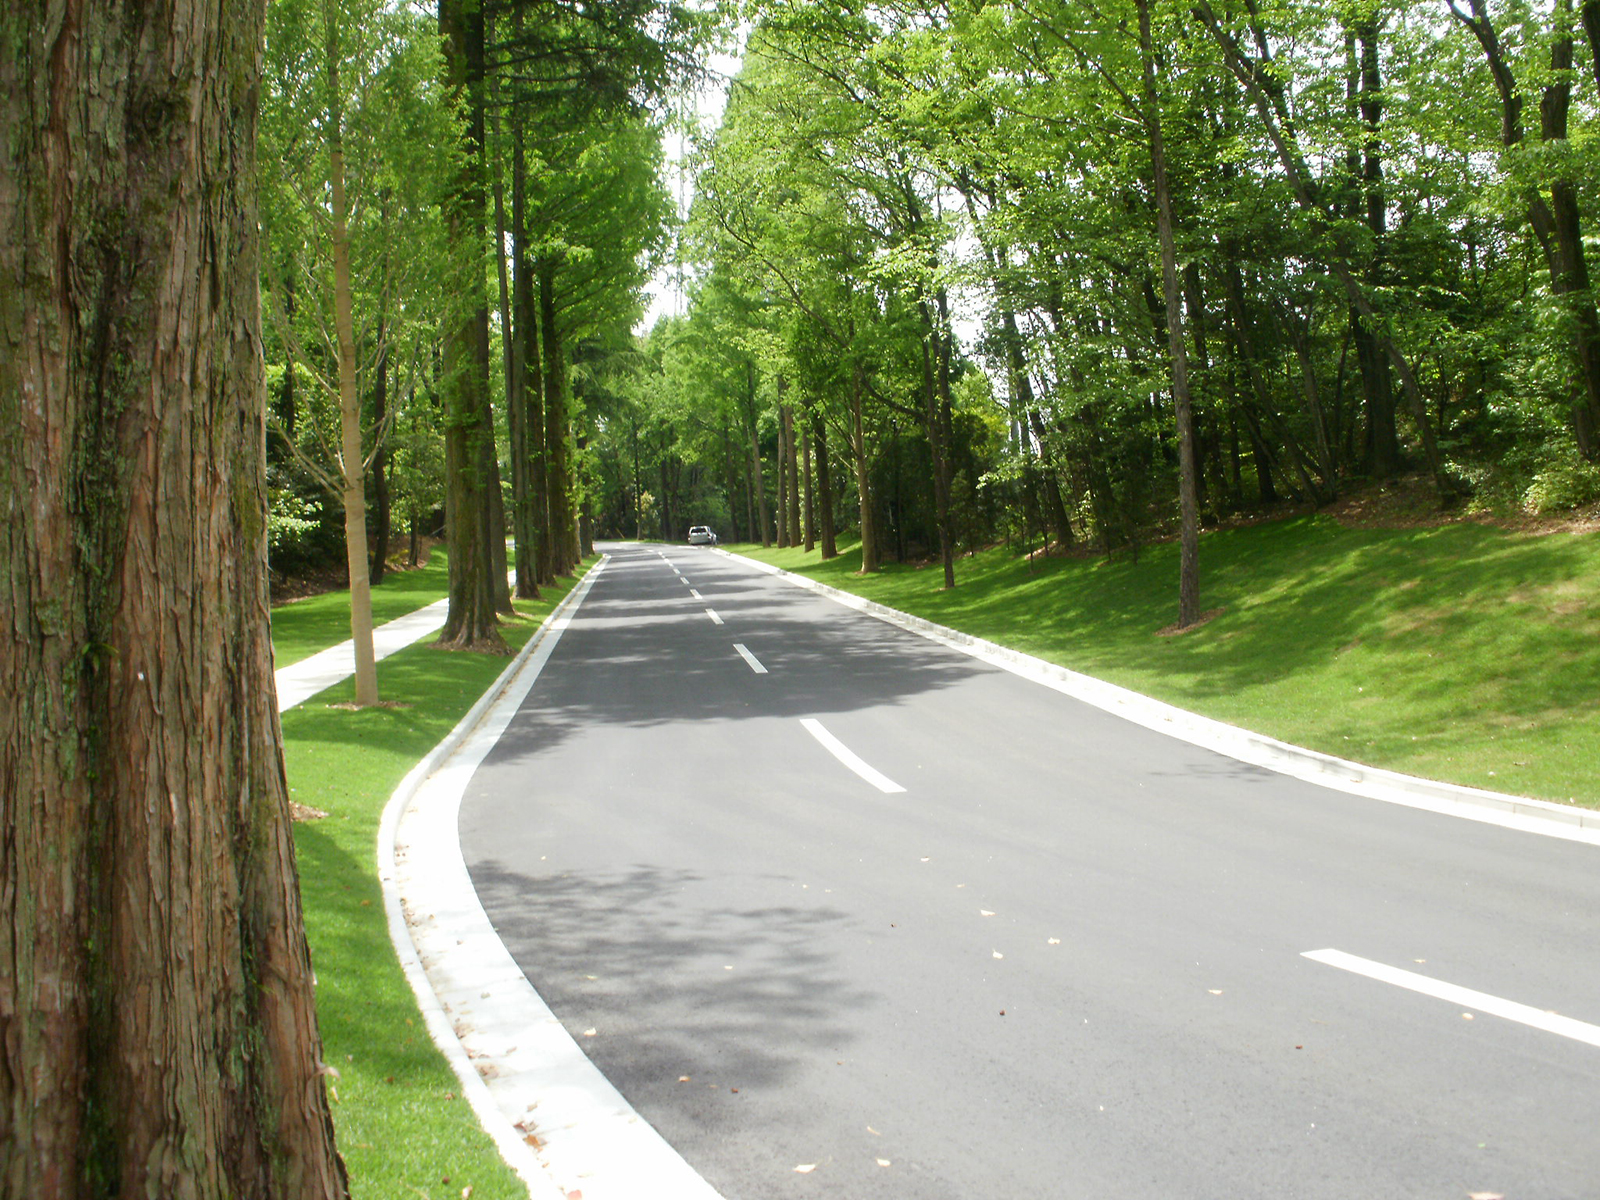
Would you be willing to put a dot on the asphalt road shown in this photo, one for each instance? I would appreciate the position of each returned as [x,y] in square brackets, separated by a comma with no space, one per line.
[1066,960]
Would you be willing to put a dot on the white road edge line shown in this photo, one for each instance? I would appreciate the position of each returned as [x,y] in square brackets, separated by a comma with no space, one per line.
[478,1005]
[713,615]
[755,663]
[849,757]
[1538,1018]
[1540,817]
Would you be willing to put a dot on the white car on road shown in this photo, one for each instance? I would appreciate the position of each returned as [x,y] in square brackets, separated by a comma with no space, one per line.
[701,535]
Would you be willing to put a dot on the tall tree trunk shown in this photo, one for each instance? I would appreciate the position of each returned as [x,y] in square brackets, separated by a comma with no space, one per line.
[350,451]
[758,485]
[383,516]
[1377,382]
[157,1032]
[558,478]
[869,530]
[786,412]
[781,496]
[826,533]
[471,623]
[516,375]
[1188,508]
[809,521]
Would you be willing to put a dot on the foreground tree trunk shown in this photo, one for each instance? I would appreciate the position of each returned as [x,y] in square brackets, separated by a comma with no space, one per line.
[157,1035]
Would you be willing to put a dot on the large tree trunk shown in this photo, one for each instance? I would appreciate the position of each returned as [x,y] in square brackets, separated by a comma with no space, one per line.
[471,623]
[781,497]
[1188,507]
[157,1034]
[809,519]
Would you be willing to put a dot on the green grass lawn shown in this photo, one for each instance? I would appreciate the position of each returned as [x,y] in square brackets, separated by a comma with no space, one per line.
[402,1128]
[1463,652]
[302,627]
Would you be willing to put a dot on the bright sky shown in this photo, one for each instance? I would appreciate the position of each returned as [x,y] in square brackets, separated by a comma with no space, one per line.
[662,294]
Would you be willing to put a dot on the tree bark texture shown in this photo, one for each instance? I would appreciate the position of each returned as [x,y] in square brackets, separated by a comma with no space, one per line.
[786,414]
[351,457]
[826,534]
[560,526]
[1188,507]
[471,623]
[157,1034]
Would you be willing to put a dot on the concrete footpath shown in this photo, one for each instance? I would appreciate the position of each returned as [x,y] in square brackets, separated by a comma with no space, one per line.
[304,679]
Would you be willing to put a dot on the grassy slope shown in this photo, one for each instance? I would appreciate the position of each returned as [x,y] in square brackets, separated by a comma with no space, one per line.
[1461,653]
[302,627]
[401,1126]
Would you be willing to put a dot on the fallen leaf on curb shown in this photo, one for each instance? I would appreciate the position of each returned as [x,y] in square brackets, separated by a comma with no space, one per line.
[589,1032]
[873,1131]
[884,1162]
[1485,1196]
[997,954]
[806,1168]
[1466,1016]
[683,1079]
[984,912]
[1052,941]
[1215,991]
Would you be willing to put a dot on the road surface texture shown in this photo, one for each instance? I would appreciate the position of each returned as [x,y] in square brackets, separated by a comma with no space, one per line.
[1067,957]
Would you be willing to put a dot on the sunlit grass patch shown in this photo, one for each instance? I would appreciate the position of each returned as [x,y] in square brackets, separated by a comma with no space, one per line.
[1462,652]
[300,628]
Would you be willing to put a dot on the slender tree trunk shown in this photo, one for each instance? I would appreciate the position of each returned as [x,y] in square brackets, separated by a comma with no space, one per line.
[826,533]
[795,522]
[758,485]
[869,530]
[471,623]
[809,522]
[383,516]
[157,1031]
[511,350]
[1377,381]
[1189,517]
[781,496]
[351,457]
[558,481]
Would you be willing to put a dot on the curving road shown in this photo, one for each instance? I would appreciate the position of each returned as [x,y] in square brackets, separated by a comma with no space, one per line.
[816,892]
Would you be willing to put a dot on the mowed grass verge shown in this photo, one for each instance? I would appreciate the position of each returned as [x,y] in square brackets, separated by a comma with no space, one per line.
[402,1127]
[1462,652]
[300,628]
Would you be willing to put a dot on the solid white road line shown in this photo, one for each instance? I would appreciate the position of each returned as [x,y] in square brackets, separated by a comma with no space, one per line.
[1578,1031]
[713,615]
[848,757]
[755,663]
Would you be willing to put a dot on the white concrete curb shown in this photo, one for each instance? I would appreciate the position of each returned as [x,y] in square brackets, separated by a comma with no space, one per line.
[558,1122]
[1473,804]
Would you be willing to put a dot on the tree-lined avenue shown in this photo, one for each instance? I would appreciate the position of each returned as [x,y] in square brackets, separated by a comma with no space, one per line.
[1068,958]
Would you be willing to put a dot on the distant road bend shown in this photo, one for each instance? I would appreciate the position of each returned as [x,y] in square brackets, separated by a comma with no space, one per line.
[830,895]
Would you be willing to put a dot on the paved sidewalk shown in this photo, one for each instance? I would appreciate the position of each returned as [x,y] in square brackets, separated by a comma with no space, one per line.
[303,680]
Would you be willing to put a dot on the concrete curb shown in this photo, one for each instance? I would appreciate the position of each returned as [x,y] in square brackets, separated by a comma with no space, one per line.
[557,1121]
[1496,808]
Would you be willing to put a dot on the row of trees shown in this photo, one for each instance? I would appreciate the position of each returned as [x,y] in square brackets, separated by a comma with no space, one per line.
[1107,271]
[456,209]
